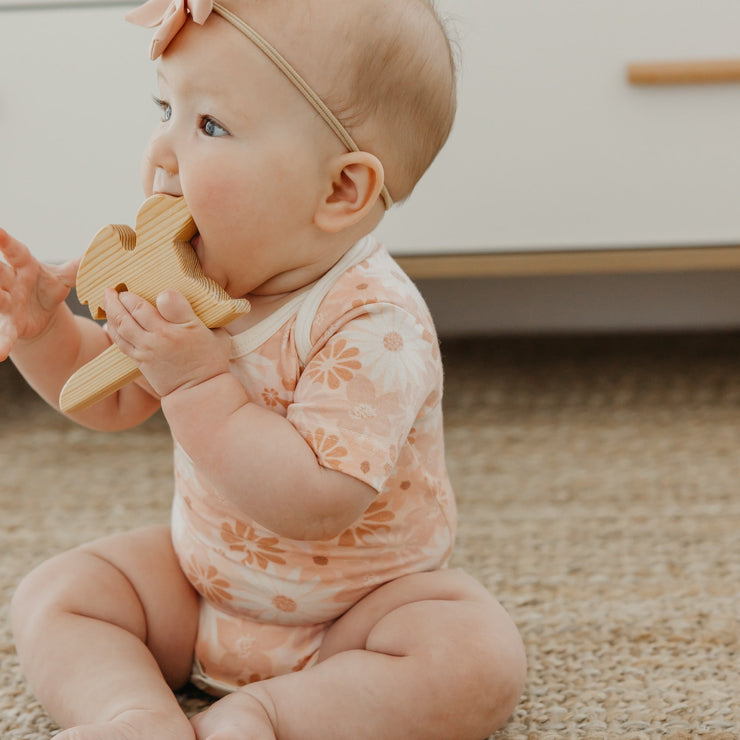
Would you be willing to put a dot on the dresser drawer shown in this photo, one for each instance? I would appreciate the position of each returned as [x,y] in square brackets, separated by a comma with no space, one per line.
[554,149]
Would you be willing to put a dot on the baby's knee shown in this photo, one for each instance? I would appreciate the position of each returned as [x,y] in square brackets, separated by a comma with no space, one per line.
[75,582]
[507,672]
[481,662]
[487,641]
[491,652]
[33,597]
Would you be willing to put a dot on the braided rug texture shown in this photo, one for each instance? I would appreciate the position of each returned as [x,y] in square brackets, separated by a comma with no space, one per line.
[597,481]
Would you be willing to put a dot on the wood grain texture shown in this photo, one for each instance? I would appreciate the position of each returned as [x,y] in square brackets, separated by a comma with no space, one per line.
[699,72]
[157,256]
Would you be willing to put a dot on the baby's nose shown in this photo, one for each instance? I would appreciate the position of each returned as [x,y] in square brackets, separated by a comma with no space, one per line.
[166,182]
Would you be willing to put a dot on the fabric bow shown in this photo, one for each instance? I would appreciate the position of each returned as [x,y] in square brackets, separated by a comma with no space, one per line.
[170,16]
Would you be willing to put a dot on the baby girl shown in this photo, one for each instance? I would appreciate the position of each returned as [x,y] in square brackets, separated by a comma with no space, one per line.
[303,577]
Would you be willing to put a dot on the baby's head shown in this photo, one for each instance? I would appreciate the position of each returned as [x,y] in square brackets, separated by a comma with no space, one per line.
[401,87]
[386,69]
[238,138]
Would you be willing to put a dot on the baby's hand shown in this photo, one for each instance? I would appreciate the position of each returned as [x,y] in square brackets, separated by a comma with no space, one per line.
[30,292]
[171,345]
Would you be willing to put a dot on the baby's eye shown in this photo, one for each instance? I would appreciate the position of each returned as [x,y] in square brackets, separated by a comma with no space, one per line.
[165,107]
[210,128]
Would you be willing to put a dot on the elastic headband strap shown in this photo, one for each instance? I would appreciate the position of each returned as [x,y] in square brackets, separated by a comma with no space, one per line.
[303,87]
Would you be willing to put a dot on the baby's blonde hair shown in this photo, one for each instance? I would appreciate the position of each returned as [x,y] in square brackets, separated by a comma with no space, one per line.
[399,88]
[385,68]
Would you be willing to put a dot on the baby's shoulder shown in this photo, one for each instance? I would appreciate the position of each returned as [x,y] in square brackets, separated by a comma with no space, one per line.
[376,280]
[373,297]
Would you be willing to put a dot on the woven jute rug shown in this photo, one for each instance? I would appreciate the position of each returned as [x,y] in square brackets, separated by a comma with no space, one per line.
[598,490]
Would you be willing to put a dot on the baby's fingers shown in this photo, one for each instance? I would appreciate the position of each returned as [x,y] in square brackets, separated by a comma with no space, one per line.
[55,282]
[67,273]
[175,307]
[8,332]
[14,252]
[8,335]
[126,312]
[49,285]
[18,255]
[7,273]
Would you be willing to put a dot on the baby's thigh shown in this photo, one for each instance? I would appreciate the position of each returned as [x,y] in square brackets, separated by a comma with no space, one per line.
[459,640]
[131,581]
[353,630]
[167,602]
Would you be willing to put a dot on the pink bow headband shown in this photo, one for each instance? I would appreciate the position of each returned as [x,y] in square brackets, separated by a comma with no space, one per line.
[171,16]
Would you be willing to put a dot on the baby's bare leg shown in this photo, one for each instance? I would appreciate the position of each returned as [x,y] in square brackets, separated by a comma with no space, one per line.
[103,632]
[428,656]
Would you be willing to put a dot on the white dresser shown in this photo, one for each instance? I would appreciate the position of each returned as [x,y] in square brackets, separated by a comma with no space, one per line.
[557,164]
[554,149]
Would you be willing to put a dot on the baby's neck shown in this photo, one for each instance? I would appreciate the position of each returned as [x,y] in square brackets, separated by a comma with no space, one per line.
[276,292]
[262,306]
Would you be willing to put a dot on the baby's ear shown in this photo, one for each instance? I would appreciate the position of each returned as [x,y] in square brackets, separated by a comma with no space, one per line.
[356,182]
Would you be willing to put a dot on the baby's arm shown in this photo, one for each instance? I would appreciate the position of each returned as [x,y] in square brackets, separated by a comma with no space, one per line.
[259,461]
[253,456]
[47,342]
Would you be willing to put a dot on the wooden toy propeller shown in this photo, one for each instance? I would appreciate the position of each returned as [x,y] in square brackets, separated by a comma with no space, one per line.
[155,257]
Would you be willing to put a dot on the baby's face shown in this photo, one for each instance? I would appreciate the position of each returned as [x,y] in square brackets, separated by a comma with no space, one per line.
[249,155]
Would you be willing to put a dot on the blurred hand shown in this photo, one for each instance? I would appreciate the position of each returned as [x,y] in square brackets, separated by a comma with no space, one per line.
[30,292]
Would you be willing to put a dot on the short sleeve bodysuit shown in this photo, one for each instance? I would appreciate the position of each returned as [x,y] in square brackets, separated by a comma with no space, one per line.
[353,363]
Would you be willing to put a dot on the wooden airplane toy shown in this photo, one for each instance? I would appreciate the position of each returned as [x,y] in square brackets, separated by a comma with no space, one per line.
[155,257]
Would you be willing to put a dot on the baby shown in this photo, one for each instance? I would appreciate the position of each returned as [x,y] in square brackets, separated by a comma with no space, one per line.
[303,576]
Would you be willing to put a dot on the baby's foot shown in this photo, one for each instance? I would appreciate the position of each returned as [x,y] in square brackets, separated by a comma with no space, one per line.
[235,717]
[134,725]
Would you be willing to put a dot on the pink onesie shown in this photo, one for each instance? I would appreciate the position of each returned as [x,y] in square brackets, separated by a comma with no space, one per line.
[353,362]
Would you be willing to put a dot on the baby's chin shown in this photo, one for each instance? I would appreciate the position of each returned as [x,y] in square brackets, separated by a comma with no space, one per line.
[197,244]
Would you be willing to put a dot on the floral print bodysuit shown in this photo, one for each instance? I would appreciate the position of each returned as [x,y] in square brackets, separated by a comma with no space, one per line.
[353,362]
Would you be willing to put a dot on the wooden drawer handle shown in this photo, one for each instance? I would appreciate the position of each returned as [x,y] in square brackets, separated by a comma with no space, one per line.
[707,72]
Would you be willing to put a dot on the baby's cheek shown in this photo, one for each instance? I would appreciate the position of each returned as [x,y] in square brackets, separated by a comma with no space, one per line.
[213,197]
